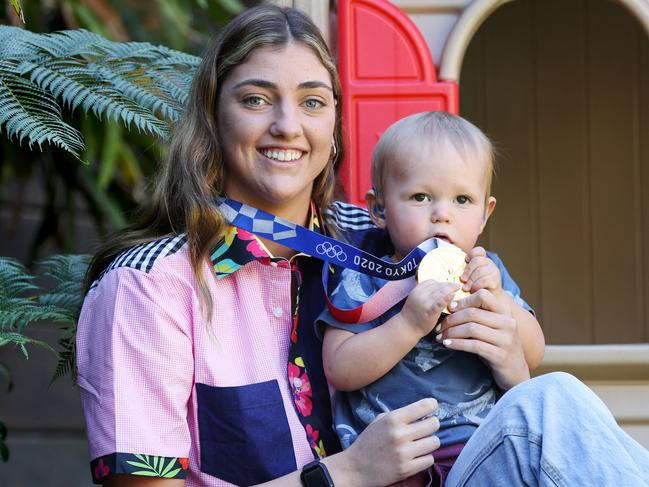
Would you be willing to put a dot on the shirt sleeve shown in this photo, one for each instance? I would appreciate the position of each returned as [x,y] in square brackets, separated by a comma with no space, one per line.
[135,372]
[353,290]
[507,282]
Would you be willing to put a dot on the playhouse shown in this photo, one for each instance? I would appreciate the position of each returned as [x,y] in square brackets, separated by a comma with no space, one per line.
[562,86]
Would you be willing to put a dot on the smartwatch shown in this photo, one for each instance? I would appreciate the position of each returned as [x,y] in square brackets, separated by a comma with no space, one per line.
[315,474]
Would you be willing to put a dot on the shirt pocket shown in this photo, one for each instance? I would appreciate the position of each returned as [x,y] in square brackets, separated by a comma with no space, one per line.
[245,437]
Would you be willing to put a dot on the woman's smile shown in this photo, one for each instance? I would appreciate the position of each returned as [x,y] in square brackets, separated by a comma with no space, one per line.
[281,155]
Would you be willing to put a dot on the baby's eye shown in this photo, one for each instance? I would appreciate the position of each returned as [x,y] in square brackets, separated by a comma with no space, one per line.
[313,103]
[463,200]
[420,197]
[254,101]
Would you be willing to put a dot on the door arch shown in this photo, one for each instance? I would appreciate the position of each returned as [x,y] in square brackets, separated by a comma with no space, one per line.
[479,10]
[563,88]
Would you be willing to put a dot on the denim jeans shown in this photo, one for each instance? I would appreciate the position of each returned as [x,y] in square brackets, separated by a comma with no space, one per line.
[550,431]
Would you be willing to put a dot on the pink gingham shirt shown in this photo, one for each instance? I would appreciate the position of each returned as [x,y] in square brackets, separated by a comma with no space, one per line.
[150,368]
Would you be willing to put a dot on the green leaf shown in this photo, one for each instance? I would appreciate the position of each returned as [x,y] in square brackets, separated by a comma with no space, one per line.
[19,10]
[109,154]
[171,474]
[164,471]
[145,473]
[138,464]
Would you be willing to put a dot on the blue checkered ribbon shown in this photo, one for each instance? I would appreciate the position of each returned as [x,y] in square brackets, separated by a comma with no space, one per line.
[302,239]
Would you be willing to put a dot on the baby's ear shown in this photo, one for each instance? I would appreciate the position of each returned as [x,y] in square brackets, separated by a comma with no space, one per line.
[375,207]
[489,209]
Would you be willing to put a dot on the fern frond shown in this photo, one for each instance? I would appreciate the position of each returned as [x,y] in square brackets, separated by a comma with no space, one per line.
[15,279]
[142,85]
[68,272]
[26,112]
[21,341]
[67,356]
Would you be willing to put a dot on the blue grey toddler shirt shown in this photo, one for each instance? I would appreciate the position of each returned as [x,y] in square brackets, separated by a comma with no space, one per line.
[462,384]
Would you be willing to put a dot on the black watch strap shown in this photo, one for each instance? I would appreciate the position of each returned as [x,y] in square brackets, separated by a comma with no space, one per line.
[315,474]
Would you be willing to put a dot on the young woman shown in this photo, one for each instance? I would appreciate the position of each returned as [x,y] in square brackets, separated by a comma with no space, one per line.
[197,358]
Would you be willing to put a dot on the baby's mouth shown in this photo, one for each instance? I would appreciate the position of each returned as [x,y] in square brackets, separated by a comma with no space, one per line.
[446,238]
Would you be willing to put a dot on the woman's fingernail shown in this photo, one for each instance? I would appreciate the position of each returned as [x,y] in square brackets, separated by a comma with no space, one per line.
[447,342]
[437,327]
[439,337]
[453,305]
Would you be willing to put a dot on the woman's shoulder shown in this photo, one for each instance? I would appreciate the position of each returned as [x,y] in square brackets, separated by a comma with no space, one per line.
[354,225]
[348,217]
[160,255]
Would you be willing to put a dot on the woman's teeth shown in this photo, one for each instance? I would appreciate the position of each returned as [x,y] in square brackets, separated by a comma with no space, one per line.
[282,155]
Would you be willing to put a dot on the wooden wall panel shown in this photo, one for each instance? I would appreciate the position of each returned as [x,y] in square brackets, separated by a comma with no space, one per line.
[615,200]
[643,137]
[563,88]
[562,159]
[508,106]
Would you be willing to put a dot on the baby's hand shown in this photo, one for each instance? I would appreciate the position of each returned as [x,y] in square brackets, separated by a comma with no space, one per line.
[481,273]
[425,304]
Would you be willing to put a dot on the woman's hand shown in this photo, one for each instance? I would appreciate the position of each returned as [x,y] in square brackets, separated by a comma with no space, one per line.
[395,445]
[483,324]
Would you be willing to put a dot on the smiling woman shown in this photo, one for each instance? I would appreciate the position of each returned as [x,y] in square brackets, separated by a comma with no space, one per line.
[278,126]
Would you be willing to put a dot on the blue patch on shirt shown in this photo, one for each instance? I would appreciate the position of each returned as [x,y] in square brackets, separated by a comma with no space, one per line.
[244,434]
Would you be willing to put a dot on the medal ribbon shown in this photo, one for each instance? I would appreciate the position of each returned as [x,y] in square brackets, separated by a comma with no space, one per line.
[297,237]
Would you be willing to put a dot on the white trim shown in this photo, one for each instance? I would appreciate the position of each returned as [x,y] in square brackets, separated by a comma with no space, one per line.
[478,11]
[618,362]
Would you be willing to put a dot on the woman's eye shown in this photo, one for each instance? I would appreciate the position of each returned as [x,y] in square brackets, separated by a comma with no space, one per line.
[254,101]
[313,103]
[463,200]
[421,197]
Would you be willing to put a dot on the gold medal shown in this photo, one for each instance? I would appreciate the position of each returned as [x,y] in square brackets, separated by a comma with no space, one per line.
[444,264]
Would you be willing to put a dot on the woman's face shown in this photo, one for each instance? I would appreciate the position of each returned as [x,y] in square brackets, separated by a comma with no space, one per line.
[276,118]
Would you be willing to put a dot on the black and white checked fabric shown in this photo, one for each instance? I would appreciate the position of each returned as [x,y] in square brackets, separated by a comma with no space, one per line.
[347,216]
[144,256]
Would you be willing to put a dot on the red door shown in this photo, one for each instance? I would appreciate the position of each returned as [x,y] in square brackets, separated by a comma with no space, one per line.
[387,72]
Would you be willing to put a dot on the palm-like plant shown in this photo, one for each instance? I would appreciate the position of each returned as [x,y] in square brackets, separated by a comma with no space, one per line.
[142,85]
[138,84]
[23,303]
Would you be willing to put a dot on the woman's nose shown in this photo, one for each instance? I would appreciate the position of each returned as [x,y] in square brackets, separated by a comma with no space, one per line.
[287,123]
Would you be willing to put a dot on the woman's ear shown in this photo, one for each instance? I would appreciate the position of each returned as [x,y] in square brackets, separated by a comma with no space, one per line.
[375,208]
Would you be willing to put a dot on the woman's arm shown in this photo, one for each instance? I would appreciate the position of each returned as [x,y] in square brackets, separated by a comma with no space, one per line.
[530,333]
[482,273]
[354,360]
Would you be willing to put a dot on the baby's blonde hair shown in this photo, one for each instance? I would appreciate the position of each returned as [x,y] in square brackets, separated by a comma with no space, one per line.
[427,129]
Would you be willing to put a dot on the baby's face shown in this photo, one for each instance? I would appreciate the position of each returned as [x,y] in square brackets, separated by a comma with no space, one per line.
[435,194]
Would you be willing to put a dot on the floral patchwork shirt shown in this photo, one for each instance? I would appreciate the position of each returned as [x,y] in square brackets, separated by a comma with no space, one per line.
[230,401]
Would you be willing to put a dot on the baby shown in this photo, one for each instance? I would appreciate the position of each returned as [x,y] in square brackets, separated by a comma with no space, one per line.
[431,174]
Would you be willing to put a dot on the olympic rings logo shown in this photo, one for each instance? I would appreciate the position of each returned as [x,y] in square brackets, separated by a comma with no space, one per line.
[331,251]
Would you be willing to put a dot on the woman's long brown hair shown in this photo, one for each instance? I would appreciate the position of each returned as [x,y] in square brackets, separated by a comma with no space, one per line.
[193,174]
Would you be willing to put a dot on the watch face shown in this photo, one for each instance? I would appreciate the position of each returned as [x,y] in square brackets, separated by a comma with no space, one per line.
[315,474]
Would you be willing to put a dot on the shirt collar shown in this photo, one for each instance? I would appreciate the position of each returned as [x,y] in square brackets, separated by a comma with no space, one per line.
[239,247]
